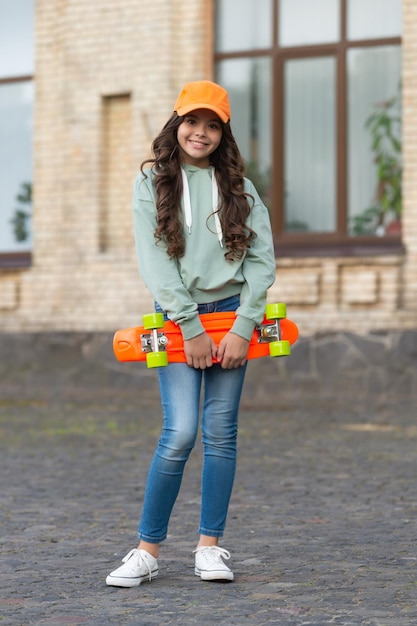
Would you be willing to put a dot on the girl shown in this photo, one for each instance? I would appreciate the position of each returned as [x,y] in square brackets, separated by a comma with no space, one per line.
[204,244]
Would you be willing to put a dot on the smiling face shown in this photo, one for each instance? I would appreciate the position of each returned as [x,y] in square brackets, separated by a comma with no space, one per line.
[198,136]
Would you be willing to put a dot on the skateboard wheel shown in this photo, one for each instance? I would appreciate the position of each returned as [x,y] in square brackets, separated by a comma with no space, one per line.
[279,348]
[153,320]
[275,311]
[156,359]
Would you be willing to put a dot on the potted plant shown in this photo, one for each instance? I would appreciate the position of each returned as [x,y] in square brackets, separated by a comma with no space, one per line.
[21,215]
[384,215]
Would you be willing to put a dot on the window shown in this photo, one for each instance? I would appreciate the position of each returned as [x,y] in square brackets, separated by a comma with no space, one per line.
[309,81]
[16,111]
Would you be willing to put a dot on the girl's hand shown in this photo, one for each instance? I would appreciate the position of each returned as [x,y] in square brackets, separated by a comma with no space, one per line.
[232,351]
[200,351]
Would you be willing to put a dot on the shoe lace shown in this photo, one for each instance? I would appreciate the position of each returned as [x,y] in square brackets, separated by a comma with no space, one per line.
[214,553]
[142,560]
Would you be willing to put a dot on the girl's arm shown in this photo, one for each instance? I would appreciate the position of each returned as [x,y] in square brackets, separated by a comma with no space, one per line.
[258,269]
[259,272]
[159,272]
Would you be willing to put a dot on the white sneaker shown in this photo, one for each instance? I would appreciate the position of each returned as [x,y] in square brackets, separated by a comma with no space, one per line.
[138,566]
[209,563]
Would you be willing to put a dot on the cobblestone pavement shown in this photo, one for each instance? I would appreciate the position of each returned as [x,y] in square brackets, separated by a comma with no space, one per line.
[322,522]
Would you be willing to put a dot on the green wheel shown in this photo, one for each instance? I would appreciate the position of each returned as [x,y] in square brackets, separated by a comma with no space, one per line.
[156,359]
[279,348]
[275,311]
[153,320]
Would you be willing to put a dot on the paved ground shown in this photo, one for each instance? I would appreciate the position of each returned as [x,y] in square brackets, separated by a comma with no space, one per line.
[322,524]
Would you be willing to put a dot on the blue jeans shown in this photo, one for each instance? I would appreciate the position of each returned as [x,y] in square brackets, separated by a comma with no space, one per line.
[180,388]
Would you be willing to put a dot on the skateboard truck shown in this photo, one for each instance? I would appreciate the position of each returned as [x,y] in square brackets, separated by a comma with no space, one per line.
[153,341]
[154,344]
[270,330]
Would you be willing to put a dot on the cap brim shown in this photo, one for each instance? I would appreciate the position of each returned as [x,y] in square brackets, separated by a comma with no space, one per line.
[193,107]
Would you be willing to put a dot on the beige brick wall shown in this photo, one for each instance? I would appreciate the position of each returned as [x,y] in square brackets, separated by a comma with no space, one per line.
[107,74]
[409,86]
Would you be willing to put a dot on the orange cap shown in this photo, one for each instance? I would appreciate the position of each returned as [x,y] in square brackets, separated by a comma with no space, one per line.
[203,94]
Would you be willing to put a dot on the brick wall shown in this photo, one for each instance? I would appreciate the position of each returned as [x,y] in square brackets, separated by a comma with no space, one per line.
[107,73]
[409,86]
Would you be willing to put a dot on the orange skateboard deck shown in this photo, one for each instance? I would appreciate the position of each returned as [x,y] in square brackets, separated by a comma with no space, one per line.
[158,342]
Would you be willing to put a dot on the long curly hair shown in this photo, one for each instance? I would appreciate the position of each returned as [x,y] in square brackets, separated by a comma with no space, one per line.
[234,202]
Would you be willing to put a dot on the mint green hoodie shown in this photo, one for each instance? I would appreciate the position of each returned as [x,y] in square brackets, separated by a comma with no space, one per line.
[203,275]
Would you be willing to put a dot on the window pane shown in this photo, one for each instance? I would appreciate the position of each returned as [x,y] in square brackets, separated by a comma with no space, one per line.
[243,24]
[16,38]
[16,103]
[371,19]
[310,145]
[304,22]
[248,82]
[373,78]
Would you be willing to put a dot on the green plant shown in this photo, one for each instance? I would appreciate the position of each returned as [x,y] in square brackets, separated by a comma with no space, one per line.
[21,216]
[384,125]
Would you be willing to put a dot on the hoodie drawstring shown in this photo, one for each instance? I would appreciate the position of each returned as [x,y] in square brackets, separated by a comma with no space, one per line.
[215,204]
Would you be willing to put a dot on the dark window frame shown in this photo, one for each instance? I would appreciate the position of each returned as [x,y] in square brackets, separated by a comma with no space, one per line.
[339,242]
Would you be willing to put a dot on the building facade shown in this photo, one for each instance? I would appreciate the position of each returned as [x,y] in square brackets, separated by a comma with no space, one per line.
[106,76]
